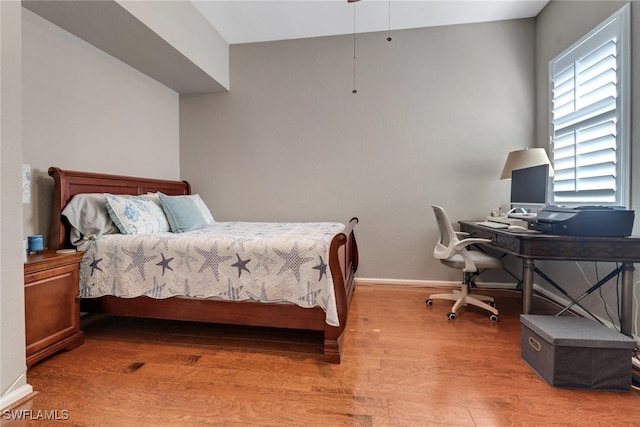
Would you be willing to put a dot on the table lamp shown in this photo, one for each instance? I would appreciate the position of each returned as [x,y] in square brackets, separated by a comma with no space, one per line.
[526,158]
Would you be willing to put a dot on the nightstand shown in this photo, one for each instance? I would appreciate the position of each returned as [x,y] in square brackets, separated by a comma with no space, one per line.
[52,307]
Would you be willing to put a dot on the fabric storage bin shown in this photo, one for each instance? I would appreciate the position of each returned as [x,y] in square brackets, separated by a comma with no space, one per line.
[576,352]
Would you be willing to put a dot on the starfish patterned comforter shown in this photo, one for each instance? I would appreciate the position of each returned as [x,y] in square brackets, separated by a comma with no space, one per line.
[266,262]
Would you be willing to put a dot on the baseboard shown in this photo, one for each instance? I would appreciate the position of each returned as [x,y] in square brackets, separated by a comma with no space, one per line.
[361,281]
[553,298]
[15,396]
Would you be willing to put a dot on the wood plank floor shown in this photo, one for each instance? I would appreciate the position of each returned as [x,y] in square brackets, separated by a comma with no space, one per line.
[403,365]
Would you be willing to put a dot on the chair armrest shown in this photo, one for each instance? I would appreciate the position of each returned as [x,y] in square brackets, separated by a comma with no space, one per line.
[462,234]
[460,246]
[470,241]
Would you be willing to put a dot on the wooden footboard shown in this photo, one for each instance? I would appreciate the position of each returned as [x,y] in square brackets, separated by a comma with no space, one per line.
[343,263]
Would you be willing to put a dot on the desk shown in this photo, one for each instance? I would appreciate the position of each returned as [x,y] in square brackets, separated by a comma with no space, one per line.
[531,246]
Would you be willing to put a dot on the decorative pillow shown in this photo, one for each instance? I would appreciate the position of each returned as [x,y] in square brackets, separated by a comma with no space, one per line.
[183,212]
[88,216]
[136,214]
[204,210]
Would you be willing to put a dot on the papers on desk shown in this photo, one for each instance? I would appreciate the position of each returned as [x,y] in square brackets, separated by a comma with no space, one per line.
[527,216]
[509,227]
[493,224]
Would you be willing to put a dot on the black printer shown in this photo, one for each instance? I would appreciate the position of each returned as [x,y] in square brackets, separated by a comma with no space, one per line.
[589,221]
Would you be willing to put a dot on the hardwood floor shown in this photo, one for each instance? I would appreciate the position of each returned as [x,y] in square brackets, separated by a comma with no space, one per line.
[403,365]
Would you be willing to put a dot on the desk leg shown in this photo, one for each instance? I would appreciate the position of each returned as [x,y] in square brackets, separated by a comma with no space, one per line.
[627,298]
[527,285]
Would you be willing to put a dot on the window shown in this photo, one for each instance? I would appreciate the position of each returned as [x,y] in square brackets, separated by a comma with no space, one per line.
[590,117]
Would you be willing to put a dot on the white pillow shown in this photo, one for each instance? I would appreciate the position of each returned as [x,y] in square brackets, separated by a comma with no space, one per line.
[88,216]
[137,214]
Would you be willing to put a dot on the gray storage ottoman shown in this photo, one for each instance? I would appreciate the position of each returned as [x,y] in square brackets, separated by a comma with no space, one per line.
[576,352]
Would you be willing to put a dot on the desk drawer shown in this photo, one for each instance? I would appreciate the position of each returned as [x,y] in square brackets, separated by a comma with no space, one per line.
[508,243]
[502,241]
[476,232]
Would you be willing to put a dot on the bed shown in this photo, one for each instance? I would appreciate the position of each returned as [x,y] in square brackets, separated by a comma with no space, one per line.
[330,317]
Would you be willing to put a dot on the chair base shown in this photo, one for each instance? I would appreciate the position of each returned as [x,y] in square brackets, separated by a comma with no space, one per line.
[462,297]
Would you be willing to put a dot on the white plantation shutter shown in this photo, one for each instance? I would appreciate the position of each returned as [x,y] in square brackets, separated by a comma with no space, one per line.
[589,117]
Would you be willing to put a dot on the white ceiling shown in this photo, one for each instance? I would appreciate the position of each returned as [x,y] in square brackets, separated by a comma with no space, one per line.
[244,21]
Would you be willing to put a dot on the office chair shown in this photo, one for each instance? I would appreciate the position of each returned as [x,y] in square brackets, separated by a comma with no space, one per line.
[453,252]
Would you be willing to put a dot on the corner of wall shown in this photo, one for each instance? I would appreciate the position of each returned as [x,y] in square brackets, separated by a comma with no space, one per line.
[13,385]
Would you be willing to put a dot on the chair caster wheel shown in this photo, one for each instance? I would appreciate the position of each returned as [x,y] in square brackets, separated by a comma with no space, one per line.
[429,302]
[494,318]
[451,316]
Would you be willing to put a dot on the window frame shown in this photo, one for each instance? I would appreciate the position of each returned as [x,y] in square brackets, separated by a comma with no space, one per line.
[616,27]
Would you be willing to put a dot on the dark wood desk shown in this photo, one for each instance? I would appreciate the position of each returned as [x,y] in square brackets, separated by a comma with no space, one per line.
[531,246]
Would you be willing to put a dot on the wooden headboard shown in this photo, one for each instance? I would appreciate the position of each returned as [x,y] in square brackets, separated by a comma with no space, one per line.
[70,183]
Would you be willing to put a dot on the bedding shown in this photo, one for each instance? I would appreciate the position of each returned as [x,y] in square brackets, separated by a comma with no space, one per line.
[185,213]
[87,214]
[266,262]
[137,214]
[90,216]
[258,303]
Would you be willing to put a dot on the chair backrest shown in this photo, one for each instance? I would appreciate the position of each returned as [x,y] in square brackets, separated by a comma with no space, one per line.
[450,245]
[445,248]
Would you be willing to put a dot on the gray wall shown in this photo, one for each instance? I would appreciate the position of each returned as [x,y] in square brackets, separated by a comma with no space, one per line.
[559,25]
[13,381]
[68,104]
[437,111]
[85,110]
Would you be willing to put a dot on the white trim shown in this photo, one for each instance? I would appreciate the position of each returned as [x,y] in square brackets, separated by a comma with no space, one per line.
[12,397]
[360,281]
[616,28]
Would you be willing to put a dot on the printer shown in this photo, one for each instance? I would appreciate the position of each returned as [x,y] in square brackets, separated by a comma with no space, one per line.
[589,221]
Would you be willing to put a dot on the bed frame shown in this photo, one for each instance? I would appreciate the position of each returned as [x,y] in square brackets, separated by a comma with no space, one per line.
[343,262]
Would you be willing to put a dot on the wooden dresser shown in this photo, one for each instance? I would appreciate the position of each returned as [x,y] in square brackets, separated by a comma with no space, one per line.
[52,308]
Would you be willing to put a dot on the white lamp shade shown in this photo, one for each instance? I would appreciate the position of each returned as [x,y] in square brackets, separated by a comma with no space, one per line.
[526,158]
